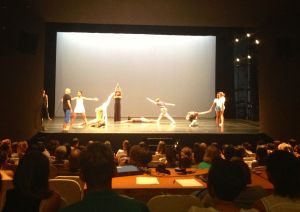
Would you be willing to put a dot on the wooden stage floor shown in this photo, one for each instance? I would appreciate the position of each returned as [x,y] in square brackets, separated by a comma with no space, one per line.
[206,125]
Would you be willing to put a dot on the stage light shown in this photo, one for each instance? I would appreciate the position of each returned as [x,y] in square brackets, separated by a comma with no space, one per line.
[248,35]
[257,41]
[236,40]
[249,56]
[237,59]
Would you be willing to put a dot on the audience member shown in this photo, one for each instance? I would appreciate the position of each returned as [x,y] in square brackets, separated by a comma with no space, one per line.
[74,143]
[211,152]
[31,190]
[139,156]
[198,153]
[186,157]
[261,156]
[171,158]
[97,169]
[6,174]
[161,148]
[283,170]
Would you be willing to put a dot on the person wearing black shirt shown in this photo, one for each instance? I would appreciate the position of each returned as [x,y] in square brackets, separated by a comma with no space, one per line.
[67,108]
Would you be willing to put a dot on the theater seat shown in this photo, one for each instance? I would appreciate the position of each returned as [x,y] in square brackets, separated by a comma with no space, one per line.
[178,203]
[76,178]
[69,190]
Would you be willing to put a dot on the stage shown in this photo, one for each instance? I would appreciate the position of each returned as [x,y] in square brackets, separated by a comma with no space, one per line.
[234,131]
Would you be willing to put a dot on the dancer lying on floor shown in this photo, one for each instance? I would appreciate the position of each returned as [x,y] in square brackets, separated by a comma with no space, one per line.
[192,116]
[138,120]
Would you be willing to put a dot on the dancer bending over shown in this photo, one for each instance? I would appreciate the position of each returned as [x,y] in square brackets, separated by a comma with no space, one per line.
[79,107]
[138,120]
[219,104]
[101,114]
[192,116]
[163,110]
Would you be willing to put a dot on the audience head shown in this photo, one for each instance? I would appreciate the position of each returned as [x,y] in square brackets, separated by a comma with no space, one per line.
[283,170]
[171,157]
[75,142]
[97,166]
[285,147]
[22,148]
[143,144]
[199,150]
[3,158]
[139,156]
[262,155]
[226,179]
[186,157]
[125,145]
[31,176]
[108,144]
[229,152]
[240,151]
[211,152]
[60,153]
[161,148]
[51,146]
[74,160]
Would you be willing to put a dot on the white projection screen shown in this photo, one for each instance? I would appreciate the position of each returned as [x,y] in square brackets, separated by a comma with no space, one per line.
[177,69]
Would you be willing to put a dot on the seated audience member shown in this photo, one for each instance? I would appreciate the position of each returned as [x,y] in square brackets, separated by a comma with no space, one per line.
[240,151]
[297,150]
[171,158]
[97,169]
[108,144]
[74,162]
[143,144]
[285,147]
[22,148]
[261,156]
[139,156]
[249,149]
[51,147]
[161,148]
[198,153]
[283,170]
[31,190]
[186,157]
[6,174]
[211,152]
[75,143]
[226,181]
[246,197]
[60,156]
[124,150]
[228,151]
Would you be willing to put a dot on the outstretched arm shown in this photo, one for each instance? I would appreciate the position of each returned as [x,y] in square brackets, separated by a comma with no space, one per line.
[92,99]
[204,112]
[106,103]
[73,98]
[151,100]
[169,104]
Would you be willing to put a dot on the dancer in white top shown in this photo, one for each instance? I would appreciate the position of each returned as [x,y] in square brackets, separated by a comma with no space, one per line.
[79,107]
[163,110]
[219,103]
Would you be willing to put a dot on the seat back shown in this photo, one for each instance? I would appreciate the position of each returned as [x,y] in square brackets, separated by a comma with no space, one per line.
[76,178]
[6,185]
[69,190]
[178,203]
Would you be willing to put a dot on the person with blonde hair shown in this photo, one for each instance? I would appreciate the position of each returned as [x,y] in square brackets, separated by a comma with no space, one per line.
[219,104]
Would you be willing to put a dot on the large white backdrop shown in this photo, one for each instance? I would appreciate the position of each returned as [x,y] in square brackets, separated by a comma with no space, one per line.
[177,69]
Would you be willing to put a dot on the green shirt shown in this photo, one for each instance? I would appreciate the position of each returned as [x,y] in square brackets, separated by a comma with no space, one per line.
[106,200]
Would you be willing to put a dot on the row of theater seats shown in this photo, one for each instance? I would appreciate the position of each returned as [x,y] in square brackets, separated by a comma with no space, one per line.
[71,190]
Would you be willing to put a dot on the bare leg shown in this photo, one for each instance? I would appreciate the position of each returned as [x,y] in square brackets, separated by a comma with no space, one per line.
[73,118]
[217,118]
[84,118]
[159,118]
[221,118]
[167,115]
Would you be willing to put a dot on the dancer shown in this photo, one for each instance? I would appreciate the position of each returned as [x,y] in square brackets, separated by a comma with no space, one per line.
[67,108]
[219,104]
[138,120]
[45,113]
[192,116]
[163,110]
[101,114]
[79,107]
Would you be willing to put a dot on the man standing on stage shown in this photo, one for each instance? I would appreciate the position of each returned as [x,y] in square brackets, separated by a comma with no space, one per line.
[67,107]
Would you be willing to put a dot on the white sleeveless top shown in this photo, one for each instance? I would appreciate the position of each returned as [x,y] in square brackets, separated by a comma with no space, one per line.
[79,108]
